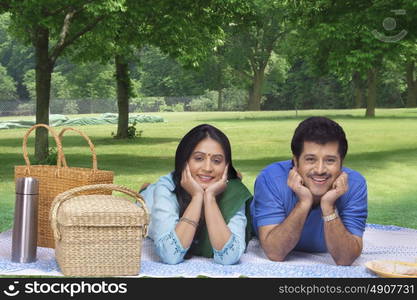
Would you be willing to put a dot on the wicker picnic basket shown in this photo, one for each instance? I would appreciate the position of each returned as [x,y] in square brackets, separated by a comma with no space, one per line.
[98,235]
[56,179]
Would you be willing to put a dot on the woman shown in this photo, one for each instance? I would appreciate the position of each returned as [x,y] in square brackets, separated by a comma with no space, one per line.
[201,207]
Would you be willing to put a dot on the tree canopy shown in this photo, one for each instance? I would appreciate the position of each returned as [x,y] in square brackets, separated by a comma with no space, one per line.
[205,54]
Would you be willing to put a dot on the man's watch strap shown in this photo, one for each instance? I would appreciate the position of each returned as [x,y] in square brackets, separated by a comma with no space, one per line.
[331,216]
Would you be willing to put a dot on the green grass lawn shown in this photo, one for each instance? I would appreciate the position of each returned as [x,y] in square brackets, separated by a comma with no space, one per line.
[383,149]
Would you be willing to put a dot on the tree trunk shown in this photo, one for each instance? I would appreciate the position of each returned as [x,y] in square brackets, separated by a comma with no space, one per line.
[255,91]
[43,72]
[220,100]
[123,88]
[411,84]
[371,97]
[358,89]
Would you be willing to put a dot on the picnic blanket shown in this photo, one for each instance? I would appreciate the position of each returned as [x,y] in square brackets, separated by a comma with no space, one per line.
[380,242]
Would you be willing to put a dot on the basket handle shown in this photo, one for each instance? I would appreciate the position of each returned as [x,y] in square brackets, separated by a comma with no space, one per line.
[61,198]
[60,152]
[92,148]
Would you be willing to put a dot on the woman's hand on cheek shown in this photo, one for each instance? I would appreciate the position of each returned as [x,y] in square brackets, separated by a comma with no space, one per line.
[219,186]
[189,184]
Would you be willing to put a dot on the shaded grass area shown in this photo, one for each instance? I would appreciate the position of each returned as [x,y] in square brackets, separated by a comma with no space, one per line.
[6,211]
[383,149]
[400,209]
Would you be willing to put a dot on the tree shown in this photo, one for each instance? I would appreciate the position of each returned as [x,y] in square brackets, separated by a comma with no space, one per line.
[161,75]
[253,38]
[411,82]
[51,26]
[114,40]
[359,89]
[29,81]
[410,51]
[348,42]
[408,59]
[7,85]
[88,80]
[60,87]
[216,75]
[14,56]
[187,30]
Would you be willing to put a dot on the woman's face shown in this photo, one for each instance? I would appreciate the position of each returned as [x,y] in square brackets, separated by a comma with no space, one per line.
[207,162]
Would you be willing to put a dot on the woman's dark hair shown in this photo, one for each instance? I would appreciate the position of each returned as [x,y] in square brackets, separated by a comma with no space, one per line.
[185,149]
[319,130]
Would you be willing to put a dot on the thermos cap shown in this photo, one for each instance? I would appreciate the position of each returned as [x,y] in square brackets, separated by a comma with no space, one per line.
[27,186]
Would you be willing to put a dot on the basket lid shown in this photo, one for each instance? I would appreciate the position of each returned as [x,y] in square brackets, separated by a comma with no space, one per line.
[101,210]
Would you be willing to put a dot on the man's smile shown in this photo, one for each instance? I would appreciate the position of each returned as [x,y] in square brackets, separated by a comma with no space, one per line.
[320,179]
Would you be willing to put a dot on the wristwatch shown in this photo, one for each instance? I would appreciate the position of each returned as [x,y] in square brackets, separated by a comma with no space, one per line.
[331,216]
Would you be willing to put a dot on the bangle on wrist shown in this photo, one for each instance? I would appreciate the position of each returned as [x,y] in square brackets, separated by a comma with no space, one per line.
[188,221]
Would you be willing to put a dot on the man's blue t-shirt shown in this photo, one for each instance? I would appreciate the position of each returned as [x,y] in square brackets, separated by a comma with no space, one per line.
[274,200]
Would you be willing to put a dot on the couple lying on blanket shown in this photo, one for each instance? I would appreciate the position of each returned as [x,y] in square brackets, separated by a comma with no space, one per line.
[310,203]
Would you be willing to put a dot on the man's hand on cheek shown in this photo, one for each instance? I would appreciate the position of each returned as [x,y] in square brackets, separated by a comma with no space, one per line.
[339,187]
[295,182]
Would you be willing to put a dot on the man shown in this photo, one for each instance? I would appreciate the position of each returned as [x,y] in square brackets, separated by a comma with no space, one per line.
[311,203]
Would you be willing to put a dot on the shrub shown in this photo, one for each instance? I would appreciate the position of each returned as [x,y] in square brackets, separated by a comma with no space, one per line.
[71,107]
[50,159]
[165,108]
[178,107]
[202,104]
[148,104]
[27,108]
[132,132]
[235,99]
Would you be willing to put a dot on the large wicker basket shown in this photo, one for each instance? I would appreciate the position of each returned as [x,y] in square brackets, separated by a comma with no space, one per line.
[98,235]
[54,180]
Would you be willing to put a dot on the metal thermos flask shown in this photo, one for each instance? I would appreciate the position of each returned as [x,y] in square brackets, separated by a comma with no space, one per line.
[25,227]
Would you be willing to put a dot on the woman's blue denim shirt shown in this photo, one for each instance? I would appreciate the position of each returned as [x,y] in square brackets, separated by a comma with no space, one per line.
[164,208]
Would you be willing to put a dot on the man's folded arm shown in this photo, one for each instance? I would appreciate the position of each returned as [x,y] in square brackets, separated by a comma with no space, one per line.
[342,245]
[278,240]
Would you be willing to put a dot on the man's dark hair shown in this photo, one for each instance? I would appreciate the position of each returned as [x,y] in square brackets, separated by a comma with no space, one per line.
[319,130]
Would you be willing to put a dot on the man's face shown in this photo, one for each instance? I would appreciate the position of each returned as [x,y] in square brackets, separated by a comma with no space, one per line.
[319,166]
